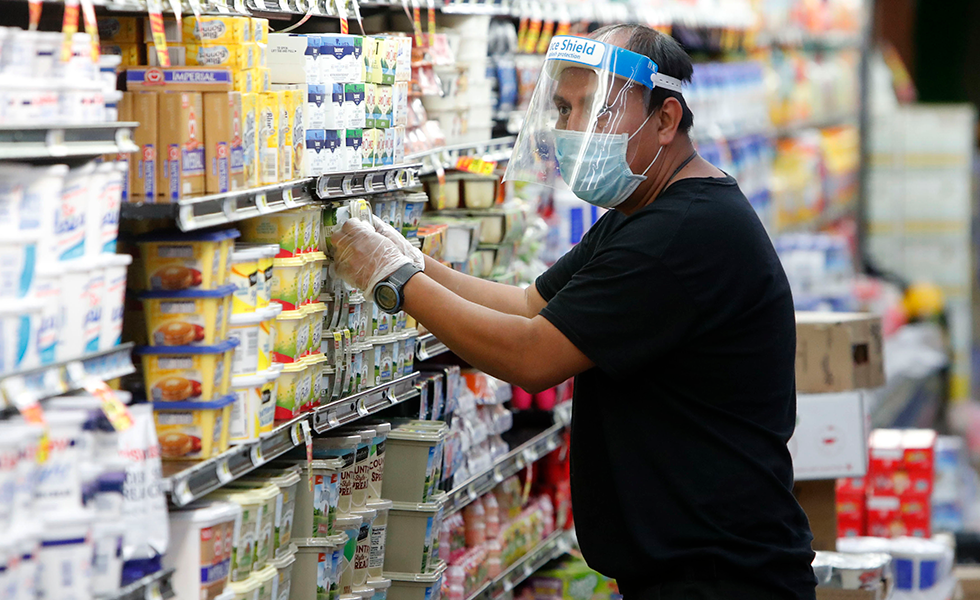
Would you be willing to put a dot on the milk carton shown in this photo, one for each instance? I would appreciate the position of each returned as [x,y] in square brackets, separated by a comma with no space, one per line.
[269,141]
[223,151]
[314,109]
[353,149]
[334,148]
[250,139]
[403,61]
[343,60]
[399,104]
[398,150]
[370,104]
[354,106]
[384,97]
[314,155]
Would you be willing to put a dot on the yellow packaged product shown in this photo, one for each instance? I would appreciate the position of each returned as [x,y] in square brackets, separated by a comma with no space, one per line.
[286,114]
[294,388]
[125,30]
[187,373]
[187,318]
[185,260]
[245,412]
[217,30]
[130,52]
[260,30]
[192,430]
[268,125]
[292,336]
[267,334]
[315,363]
[244,81]
[270,394]
[263,82]
[239,57]
[315,312]
[250,139]
[288,286]
[281,229]
[261,55]
[297,106]
[182,142]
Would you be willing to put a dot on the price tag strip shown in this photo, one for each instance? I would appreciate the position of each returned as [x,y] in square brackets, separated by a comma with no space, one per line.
[69,27]
[159,35]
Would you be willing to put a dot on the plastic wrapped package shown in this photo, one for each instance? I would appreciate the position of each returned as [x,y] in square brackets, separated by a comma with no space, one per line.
[474,515]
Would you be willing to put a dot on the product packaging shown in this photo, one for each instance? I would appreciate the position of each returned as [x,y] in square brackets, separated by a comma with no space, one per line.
[179,79]
[182,140]
[250,139]
[224,155]
[145,166]
[270,112]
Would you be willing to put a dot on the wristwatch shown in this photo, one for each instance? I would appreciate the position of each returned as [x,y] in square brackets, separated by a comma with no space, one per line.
[388,293]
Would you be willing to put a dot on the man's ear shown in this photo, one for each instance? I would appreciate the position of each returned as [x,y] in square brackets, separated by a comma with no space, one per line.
[670,113]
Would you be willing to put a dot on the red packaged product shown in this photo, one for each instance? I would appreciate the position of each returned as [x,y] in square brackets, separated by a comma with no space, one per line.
[916,513]
[884,516]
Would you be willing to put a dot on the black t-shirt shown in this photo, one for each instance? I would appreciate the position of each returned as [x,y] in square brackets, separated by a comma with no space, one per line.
[679,432]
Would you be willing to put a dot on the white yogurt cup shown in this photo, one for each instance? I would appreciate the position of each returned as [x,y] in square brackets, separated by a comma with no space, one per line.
[18,256]
[58,481]
[82,289]
[111,201]
[19,323]
[65,559]
[113,299]
[72,211]
[47,292]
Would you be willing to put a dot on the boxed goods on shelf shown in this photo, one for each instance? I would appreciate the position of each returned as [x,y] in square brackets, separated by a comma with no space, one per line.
[315,573]
[187,317]
[187,373]
[838,351]
[408,586]
[830,439]
[193,430]
[413,530]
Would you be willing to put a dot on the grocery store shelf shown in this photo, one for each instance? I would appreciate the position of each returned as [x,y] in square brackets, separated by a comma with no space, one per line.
[496,150]
[509,464]
[158,586]
[792,129]
[366,403]
[560,542]
[825,219]
[190,480]
[909,401]
[33,385]
[36,141]
[429,347]
[336,186]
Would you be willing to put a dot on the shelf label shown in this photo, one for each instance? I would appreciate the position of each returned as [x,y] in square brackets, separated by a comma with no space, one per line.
[391,180]
[309,451]
[369,182]
[347,185]
[479,166]
[296,433]
[153,591]
[262,203]
[183,492]
[117,412]
[257,458]
[223,471]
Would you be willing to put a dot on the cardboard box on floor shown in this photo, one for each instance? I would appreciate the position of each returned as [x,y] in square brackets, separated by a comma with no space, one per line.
[819,502]
[837,352]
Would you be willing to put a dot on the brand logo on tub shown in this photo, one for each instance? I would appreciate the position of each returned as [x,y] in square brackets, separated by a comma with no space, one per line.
[576,49]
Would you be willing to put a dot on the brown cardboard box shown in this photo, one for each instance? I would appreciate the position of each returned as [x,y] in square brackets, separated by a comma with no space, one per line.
[833,594]
[144,164]
[969,578]
[819,501]
[124,113]
[836,352]
[223,142]
[181,138]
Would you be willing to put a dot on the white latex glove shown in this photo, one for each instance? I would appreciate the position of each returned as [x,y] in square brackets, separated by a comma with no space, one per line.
[364,257]
[403,244]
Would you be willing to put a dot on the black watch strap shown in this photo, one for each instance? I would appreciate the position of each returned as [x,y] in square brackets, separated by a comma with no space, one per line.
[401,276]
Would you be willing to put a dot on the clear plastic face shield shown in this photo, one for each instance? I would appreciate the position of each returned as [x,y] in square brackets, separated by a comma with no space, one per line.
[590,102]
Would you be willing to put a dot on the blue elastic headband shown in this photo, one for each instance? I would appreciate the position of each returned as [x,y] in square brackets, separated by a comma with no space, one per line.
[620,61]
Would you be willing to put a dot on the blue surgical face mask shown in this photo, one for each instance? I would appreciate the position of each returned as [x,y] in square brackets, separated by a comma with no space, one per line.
[604,177]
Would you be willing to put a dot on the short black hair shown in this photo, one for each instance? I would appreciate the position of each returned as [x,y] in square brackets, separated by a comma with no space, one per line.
[671,59]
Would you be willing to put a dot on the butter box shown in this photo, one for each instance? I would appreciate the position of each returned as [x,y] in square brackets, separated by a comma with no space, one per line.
[403,61]
[342,58]
[372,72]
[315,156]
[119,30]
[369,148]
[223,153]
[383,111]
[176,52]
[335,149]
[260,30]
[245,81]
[182,140]
[172,31]
[144,166]
[370,104]
[239,57]
[389,58]
[130,53]
[354,149]
[387,147]
[398,150]
[354,106]
[295,58]
[250,139]
[263,81]
[179,79]
[335,111]
[217,30]
[285,134]
[399,104]
[268,148]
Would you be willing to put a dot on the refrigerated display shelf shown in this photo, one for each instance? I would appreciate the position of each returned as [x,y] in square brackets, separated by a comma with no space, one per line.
[429,347]
[825,219]
[511,463]
[54,140]
[189,481]
[555,545]
[337,186]
[33,385]
[496,150]
[158,586]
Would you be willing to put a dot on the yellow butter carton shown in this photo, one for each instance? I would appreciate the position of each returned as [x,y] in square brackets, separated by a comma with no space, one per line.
[268,148]
[130,53]
[263,81]
[286,115]
[245,81]
[250,139]
[223,142]
[182,141]
[297,106]
[217,30]
[261,55]
[125,30]
[193,430]
[239,57]
[197,318]
[260,30]
[172,31]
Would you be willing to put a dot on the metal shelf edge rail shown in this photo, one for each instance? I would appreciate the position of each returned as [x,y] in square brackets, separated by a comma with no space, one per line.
[336,186]
[21,142]
[429,347]
[555,545]
[52,380]
[158,586]
[200,479]
[497,149]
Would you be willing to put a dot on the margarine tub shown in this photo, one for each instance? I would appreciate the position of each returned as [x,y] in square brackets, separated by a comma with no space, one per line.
[362,462]
[416,527]
[264,272]
[315,312]
[244,275]
[382,359]
[282,519]
[315,570]
[267,494]
[315,364]
[181,261]
[187,373]
[254,408]
[363,376]
[268,579]
[292,336]
[284,573]
[379,585]
[379,529]
[245,590]
[316,509]
[350,524]
[289,287]
[409,586]
[357,370]
[410,342]
[327,379]
[247,329]
[192,430]
[413,460]
[362,548]
[380,321]
[343,447]
[279,228]
[316,261]
[200,544]
[267,334]
[187,318]
[358,327]
[246,536]
[294,384]
[270,395]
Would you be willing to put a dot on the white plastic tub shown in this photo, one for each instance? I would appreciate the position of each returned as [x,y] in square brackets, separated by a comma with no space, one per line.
[19,326]
[268,579]
[82,288]
[314,574]
[267,494]
[382,360]
[282,519]
[376,559]
[113,299]
[247,532]
[107,560]
[243,425]
[57,481]
[351,526]
[343,447]
[315,510]
[415,526]
[284,571]
[244,274]
[65,557]
[362,551]
[246,328]
[407,586]
[412,456]
[201,539]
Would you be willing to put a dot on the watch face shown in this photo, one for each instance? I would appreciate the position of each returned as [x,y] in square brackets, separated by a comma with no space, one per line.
[386,297]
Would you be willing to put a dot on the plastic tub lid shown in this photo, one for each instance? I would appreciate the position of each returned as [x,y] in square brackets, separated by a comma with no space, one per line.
[315,256]
[357,298]
[363,592]
[366,514]
[314,359]
[242,588]
[265,492]
[270,374]
[292,261]
[66,417]
[267,574]
[116,260]
[248,318]
[197,236]
[290,315]
[337,441]
[272,311]
[246,254]
[424,578]
[240,382]
[194,405]
[350,521]
[269,250]
[379,583]
[318,544]
[224,346]
[207,514]
[221,292]
[379,504]
[434,505]
[294,367]
[314,308]
[281,562]
[70,525]
[241,497]
[418,434]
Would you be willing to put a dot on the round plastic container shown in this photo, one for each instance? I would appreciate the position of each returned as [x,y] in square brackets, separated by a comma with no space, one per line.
[416,527]
[315,364]
[350,524]
[280,228]
[244,421]
[292,336]
[343,447]
[200,569]
[244,275]
[412,460]
[113,299]
[357,368]
[317,260]
[284,570]
[268,496]
[362,552]
[410,342]
[355,322]
[268,579]
[382,357]
[247,589]
[270,395]
[409,586]
[187,373]
[187,318]
[380,324]
[379,585]
[315,315]
[413,205]
[65,556]
[264,270]
[311,218]
[363,592]
[82,290]
[289,288]
[193,430]
[180,261]
[316,510]
[247,329]
[267,334]
[314,575]
[379,531]
[361,478]
[247,535]
[293,390]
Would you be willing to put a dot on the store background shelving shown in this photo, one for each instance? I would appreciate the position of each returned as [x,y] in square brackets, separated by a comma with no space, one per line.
[42,141]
